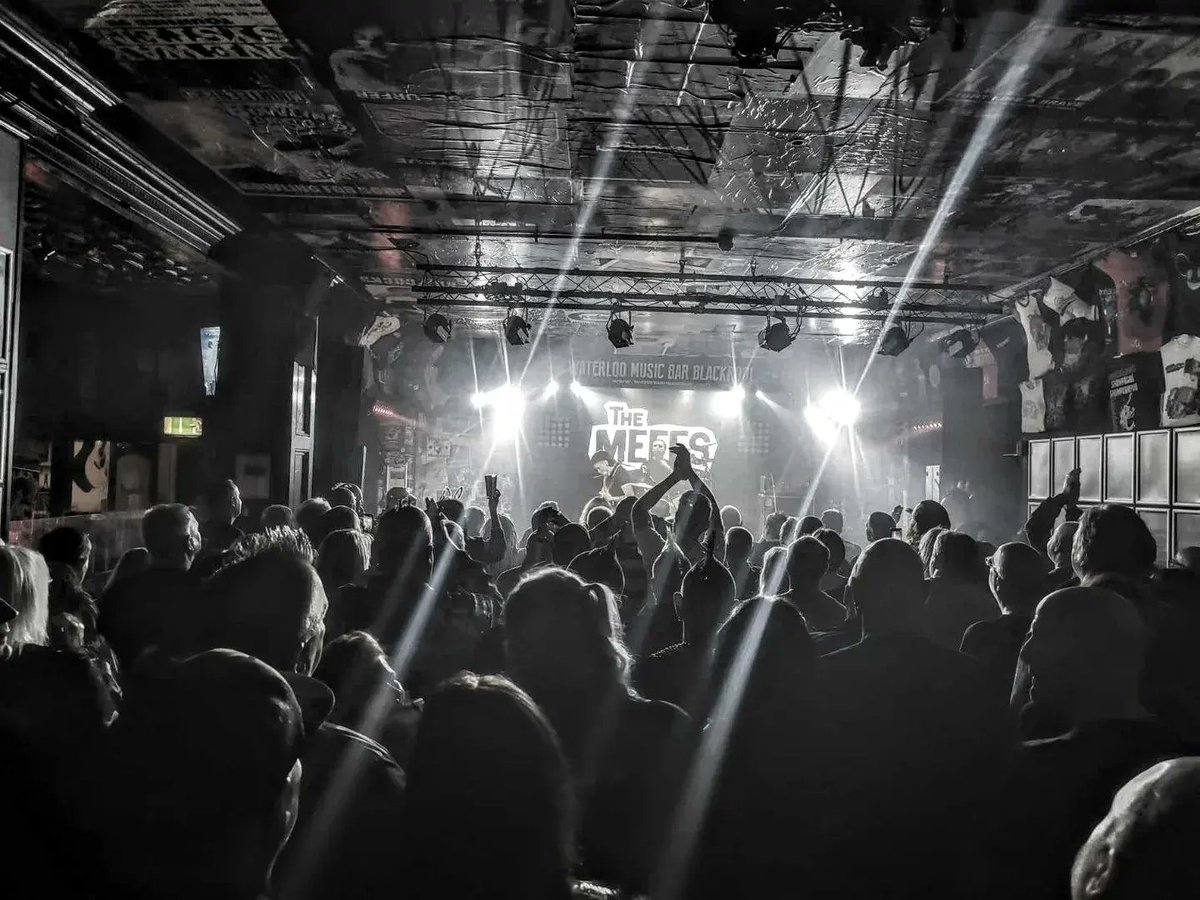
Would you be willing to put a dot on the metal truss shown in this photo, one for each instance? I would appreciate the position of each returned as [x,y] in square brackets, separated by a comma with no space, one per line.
[690,293]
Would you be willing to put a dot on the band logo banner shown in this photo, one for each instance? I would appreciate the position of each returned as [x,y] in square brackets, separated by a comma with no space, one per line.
[697,372]
[630,438]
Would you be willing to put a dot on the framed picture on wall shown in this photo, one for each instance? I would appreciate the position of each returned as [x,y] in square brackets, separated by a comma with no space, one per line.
[1187,530]
[1091,468]
[1063,462]
[1118,468]
[1159,523]
[1154,467]
[1039,469]
[1187,467]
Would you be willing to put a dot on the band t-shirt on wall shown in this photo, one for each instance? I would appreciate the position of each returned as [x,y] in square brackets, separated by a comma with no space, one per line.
[1033,407]
[1037,335]
[1059,397]
[1181,258]
[1135,386]
[1181,381]
[1143,296]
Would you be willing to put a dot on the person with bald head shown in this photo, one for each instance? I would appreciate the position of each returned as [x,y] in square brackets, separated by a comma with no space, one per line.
[1145,848]
[1059,551]
[1086,651]
[1017,578]
[879,526]
[907,731]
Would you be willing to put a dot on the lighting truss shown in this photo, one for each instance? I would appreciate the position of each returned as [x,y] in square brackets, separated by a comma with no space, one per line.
[746,295]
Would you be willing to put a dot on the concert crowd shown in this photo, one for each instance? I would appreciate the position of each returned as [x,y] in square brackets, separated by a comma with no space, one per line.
[440,702]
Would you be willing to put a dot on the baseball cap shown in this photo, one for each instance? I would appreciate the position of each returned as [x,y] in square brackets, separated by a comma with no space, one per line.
[213,733]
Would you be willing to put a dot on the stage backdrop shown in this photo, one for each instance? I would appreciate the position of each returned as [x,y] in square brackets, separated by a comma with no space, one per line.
[730,449]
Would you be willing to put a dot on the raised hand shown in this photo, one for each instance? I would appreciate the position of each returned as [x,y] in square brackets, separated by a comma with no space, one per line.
[683,462]
[1071,486]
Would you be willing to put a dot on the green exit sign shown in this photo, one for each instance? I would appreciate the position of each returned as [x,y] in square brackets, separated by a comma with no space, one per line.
[183,426]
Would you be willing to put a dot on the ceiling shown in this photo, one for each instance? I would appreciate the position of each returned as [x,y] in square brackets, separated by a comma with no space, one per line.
[622,136]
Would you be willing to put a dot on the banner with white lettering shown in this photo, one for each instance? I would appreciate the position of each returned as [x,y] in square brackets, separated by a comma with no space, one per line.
[683,372]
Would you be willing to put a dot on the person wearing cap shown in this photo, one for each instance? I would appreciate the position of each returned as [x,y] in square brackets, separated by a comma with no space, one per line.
[268,601]
[202,775]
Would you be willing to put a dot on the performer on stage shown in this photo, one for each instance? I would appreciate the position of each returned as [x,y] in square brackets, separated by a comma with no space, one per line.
[660,463]
[616,482]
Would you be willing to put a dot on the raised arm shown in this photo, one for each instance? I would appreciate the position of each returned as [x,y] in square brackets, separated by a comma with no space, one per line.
[493,550]
[1040,525]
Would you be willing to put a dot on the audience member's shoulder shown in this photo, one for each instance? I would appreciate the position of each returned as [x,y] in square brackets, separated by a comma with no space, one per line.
[333,743]
[654,713]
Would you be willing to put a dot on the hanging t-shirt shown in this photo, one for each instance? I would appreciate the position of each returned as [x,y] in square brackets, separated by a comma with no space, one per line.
[1037,335]
[1058,402]
[1100,291]
[1077,335]
[1033,407]
[1087,402]
[1180,256]
[1135,387]
[1142,300]
[1181,380]
[1006,339]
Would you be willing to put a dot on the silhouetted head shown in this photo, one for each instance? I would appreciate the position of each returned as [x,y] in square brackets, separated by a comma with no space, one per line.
[1058,548]
[956,557]
[807,562]
[773,579]
[925,548]
[525,784]
[403,543]
[926,515]
[268,601]
[1085,653]
[739,543]
[277,516]
[342,496]
[224,502]
[704,600]
[774,525]
[1145,848]
[308,516]
[887,586]
[568,542]
[731,517]
[601,565]
[67,551]
[1188,558]
[879,526]
[472,522]
[1113,540]
[835,545]
[1017,577]
[808,525]
[172,535]
[833,520]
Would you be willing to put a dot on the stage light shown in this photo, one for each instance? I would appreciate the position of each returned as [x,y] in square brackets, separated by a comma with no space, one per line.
[551,390]
[960,344]
[437,328]
[894,341]
[479,400]
[776,336]
[620,332]
[841,406]
[576,388]
[760,394]
[729,402]
[516,330]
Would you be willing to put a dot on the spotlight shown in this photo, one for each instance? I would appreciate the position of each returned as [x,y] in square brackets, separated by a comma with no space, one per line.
[841,406]
[508,407]
[878,300]
[725,238]
[760,394]
[479,400]
[728,403]
[437,328]
[551,390]
[620,332]
[960,344]
[776,336]
[894,341]
[576,388]
[516,330]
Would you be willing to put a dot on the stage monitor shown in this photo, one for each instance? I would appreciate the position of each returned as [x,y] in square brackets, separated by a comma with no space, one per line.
[183,426]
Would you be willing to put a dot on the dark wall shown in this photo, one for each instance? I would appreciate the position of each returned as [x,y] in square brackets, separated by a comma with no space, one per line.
[100,364]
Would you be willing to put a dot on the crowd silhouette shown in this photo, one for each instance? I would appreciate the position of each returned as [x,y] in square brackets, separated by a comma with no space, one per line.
[324,704]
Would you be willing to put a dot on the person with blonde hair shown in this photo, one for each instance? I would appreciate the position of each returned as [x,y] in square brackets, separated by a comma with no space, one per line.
[25,585]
